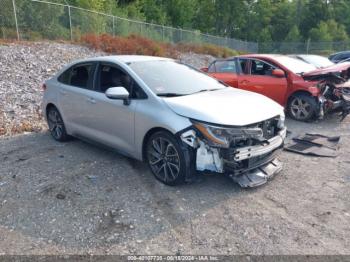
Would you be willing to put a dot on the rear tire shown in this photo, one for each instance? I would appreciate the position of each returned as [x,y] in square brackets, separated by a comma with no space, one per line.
[166,158]
[56,125]
[302,107]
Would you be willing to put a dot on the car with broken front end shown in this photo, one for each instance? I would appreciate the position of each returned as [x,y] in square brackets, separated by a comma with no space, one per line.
[296,85]
[173,116]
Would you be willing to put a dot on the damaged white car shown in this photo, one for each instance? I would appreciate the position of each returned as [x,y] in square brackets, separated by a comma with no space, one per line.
[173,116]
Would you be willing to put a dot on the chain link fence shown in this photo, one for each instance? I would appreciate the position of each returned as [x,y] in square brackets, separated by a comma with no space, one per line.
[309,47]
[37,20]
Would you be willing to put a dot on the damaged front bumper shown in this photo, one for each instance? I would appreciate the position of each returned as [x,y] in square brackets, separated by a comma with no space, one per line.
[259,176]
[249,166]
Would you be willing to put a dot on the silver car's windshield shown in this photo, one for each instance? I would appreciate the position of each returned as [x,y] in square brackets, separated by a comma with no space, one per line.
[316,60]
[171,78]
[295,65]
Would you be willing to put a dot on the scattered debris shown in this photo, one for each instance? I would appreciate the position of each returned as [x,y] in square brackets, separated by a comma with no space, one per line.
[60,196]
[315,145]
[93,179]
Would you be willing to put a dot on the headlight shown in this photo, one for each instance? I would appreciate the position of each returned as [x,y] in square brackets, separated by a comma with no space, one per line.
[281,120]
[222,136]
[346,94]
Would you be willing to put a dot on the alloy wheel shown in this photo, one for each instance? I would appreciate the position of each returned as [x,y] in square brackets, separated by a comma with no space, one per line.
[55,123]
[300,108]
[164,159]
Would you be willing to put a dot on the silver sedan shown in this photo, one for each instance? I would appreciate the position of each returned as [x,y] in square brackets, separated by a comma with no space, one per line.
[174,117]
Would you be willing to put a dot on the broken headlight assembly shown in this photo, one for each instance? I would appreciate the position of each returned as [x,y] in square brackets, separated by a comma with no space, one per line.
[218,136]
[346,94]
[281,121]
[223,136]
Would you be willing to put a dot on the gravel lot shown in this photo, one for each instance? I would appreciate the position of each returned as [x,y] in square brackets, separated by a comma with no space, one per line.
[79,198]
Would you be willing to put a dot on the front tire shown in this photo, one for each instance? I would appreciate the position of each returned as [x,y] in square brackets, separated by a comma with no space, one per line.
[302,107]
[166,158]
[56,125]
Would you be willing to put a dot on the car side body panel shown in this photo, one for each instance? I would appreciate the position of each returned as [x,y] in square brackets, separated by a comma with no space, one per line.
[278,89]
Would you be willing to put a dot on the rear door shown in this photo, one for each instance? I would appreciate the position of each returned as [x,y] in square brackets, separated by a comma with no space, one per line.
[76,88]
[224,70]
[256,76]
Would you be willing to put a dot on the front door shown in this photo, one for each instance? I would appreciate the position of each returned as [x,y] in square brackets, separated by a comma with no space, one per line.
[112,121]
[256,76]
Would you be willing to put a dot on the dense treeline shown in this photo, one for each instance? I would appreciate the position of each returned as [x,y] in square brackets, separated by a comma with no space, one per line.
[252,20]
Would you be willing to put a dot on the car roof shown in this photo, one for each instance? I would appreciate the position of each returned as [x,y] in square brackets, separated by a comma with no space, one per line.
[271,56]
[309,55]
[339,53]
[126,59]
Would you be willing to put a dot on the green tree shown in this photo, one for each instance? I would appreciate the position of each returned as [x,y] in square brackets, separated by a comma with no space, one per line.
[293,35]
[154,11]
[321,33]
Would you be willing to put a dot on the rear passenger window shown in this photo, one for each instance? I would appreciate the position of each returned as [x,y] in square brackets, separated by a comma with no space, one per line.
[79,76]
[223,67]
[64,78]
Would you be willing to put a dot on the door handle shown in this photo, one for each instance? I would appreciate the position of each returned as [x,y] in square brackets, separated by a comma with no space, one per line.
[244,82]
[62,92]
[91,100]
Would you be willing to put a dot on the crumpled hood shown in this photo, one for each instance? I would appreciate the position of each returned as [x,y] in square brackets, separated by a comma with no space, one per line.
[327,70]
[229,106]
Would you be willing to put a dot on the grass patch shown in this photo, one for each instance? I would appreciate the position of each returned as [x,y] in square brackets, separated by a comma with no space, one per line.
[137,45]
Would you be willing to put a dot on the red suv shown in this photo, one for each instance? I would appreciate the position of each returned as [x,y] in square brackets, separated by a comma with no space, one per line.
[289,81]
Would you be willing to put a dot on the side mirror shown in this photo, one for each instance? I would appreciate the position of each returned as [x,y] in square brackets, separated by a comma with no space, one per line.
[278,73]
[204,69]
[119,93]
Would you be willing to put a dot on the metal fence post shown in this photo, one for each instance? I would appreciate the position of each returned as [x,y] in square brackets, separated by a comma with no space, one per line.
[113,27]
[163,33]
[2,27]
[70,23]
[14,11]
[307,46]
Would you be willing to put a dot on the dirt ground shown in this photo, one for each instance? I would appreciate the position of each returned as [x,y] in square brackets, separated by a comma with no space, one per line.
[83,199]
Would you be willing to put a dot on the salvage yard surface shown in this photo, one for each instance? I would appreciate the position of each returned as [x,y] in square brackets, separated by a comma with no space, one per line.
[78,198]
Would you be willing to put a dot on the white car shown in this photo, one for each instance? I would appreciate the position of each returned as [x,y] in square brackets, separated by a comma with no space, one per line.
[171,115]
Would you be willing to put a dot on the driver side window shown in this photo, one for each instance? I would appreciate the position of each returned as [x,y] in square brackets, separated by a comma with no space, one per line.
[259,67]
[111,76]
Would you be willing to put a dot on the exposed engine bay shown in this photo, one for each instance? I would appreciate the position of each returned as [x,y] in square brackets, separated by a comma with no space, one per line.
[247,154]
[335,92]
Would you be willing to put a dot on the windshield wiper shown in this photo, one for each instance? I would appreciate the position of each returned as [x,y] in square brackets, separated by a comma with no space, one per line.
[170,94]
[206,90]
[223,83]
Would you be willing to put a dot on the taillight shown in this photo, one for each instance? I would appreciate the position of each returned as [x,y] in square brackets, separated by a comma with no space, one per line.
[44,87]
